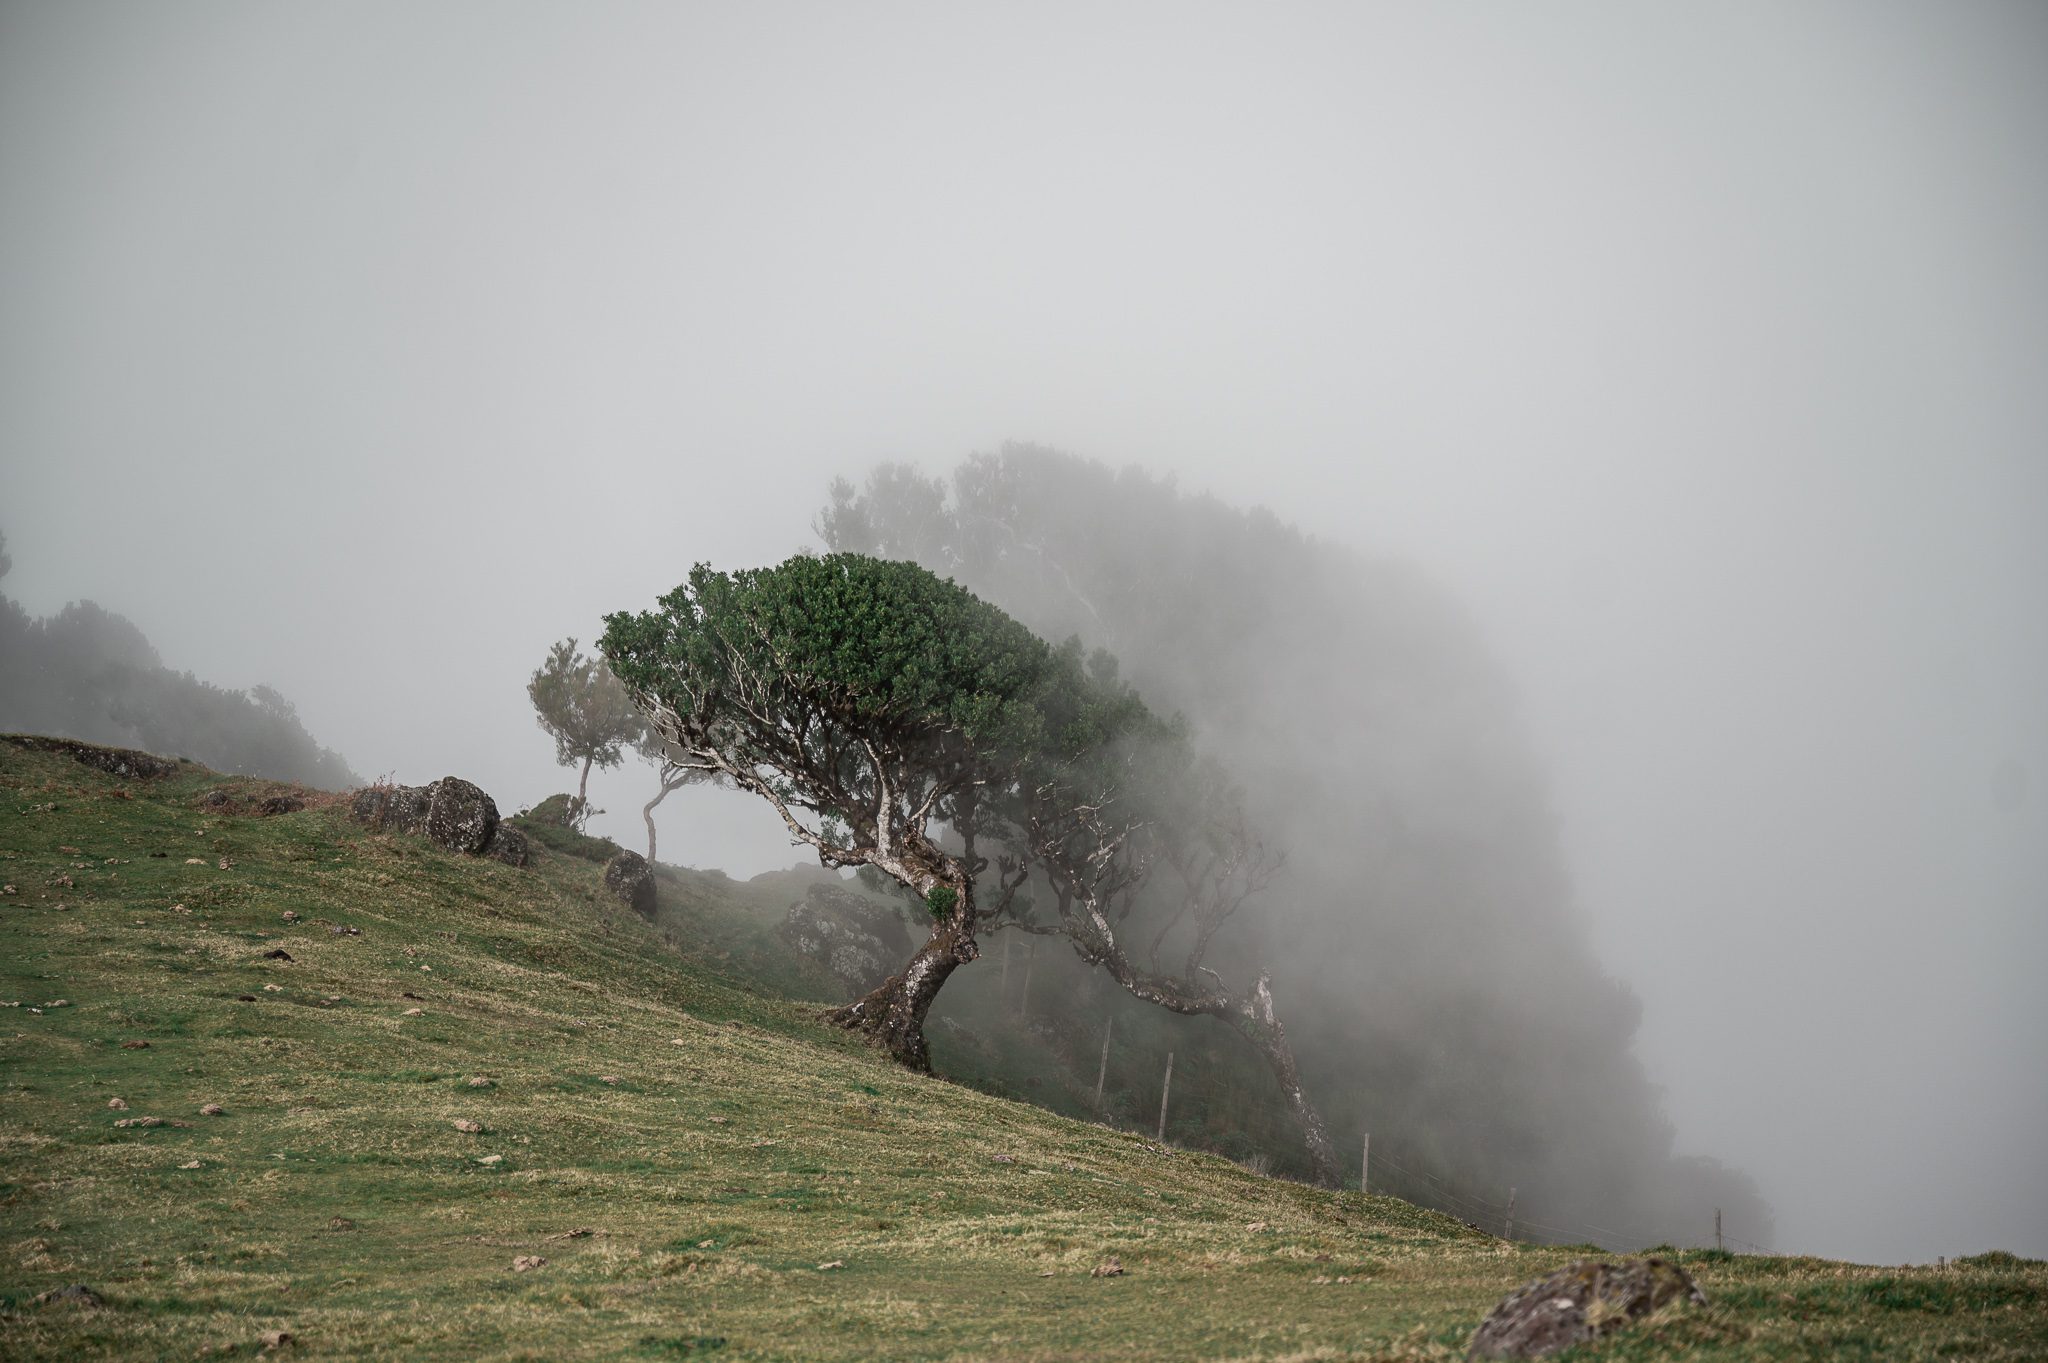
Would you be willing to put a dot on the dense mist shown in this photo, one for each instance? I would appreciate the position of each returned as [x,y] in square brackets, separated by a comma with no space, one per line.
[1440,986]
[1641,649]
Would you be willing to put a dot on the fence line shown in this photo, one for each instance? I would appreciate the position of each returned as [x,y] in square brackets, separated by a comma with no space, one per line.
[1487,1214]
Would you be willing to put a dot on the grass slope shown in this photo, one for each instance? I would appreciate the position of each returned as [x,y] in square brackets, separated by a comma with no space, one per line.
[706,1171]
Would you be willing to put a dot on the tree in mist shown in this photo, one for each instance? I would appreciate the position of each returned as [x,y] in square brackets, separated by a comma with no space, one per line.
[1134,815]
[671,775]
[580,704]
[871,704]
[1440,987]
[89,673]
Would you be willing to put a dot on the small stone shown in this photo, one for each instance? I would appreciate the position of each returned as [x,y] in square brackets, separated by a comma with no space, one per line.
[58,1003]
[77,1294]
[135,1045]
[413,1012]
[471,1128]
[211,1110]
[279,955]
[1004,1159]
[491,1159]
[1256,1226]
[341,1223]
[190,1164]
[195,861]
[608,1078]
[275,1339]
[1112,1267]
[245,998]
[528,1261]
[273,989]
[117,1104]
[831,1264]
[477,1081]
[140,1121]
[290,916]
[225,864]
[720,1121]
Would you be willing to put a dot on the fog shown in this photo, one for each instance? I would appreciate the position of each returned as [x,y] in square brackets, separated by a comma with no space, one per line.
[1694,357]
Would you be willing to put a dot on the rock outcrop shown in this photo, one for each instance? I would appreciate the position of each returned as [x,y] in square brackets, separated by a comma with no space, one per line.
[509,845]
[860,942]
[125,762]
[631,880]
[452,813]
[1581,1301]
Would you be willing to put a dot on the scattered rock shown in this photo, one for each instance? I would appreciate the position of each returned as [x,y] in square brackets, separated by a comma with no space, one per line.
[275,1339]
[509,845]
[195,861]
[413,1012]
[857,940]
[340,930]
[77,1294]
[245,998]
[1004,1159]
[630,880]
[289,916]
[467,1126]
[190,1164]
[58,1003]
[528,1261]
[279,804]
[460,817]
[491,1159]
[608,1078]
[831,1264]
[225,864]
[392,809]
[135,1045]
[140,1121]
[1581,1301]
[1112,1267]
[477,1081]
[273,989]
[278,955]
[117,1105]
[211,1110]
[341,1223]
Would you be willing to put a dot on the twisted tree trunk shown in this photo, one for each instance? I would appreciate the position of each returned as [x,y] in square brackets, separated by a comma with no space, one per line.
[1251,1015]
[892,1014]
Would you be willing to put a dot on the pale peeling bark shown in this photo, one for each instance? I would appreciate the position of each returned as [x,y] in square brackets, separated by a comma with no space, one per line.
[892,1015]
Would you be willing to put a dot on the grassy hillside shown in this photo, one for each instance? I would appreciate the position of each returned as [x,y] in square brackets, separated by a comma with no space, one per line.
[462,1065]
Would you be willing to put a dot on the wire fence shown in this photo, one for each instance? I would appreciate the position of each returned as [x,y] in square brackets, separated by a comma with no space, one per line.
[1501,1218]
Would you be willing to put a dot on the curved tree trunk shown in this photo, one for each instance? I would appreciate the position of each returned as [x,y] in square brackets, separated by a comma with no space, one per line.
[892,1014]
[1252,1017]
[582,790]
[1260,1026]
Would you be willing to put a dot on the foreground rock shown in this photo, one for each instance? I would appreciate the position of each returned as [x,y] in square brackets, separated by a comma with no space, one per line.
[628,877]
[453,814]
[859,941]
[1581,1301]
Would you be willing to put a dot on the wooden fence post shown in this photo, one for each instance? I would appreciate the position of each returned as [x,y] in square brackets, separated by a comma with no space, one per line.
[1717,1228]
[1103,1073]
[1164,1090]
[1509,1234]
[1365,1166]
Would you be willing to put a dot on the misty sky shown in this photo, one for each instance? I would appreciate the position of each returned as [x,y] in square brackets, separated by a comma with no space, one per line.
[364,350]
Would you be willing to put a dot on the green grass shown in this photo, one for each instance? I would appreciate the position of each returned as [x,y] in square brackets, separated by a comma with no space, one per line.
[687,1153]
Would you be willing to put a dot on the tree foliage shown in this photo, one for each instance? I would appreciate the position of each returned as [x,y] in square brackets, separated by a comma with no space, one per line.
[581,705]
[870,702]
